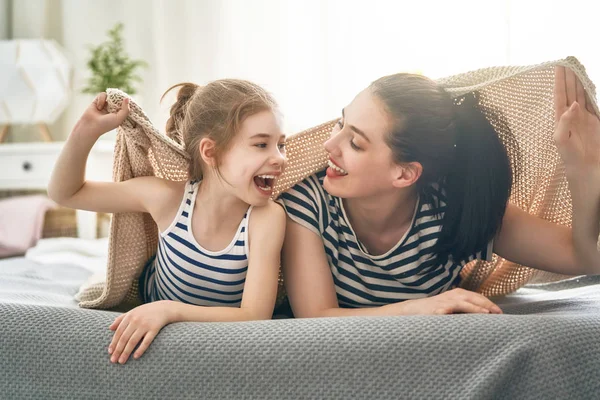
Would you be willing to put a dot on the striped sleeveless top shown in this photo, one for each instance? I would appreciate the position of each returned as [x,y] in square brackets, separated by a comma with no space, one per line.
[183,270]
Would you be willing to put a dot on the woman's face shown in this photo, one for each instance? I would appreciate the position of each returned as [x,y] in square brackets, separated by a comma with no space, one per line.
[360,161]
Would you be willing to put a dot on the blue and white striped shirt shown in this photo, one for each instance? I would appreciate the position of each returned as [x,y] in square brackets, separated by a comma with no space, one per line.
[184,271]
[407,271]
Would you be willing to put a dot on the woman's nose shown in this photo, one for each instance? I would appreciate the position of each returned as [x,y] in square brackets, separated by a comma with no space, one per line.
[332,144]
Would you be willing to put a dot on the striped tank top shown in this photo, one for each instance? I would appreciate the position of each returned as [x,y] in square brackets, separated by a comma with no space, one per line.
[184,271]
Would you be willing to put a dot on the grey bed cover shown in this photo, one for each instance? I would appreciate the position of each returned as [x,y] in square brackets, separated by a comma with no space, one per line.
[545,346]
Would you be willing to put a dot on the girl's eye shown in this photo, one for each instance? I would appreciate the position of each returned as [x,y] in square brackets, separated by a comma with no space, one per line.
[281,146]
[340,124]
[354,146]
[261,145]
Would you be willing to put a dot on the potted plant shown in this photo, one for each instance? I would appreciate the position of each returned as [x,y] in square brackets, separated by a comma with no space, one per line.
[111,66]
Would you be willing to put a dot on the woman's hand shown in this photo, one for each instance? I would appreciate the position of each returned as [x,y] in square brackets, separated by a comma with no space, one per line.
[96,120]
[577,137]
[140,324]
[450,302]
[577,133]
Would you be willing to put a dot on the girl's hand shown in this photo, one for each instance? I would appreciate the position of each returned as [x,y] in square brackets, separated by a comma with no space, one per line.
[140,324]
[450,302]
[577,133]
[96,120]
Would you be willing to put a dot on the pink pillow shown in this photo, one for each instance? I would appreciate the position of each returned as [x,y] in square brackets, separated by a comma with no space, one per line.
[22,222]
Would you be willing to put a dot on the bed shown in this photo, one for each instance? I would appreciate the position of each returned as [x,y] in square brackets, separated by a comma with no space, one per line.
[544,346]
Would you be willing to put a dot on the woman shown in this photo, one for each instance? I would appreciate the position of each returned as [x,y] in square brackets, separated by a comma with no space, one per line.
[417,186]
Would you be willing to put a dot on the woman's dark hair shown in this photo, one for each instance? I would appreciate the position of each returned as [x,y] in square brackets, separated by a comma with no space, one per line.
[460,152]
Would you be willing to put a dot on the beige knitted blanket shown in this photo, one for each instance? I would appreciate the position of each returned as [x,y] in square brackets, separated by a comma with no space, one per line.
[523,95]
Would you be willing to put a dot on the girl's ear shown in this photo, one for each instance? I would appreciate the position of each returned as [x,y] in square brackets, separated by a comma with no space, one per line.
[207,151]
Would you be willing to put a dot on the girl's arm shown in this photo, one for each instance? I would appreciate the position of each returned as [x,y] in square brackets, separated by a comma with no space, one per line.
[142,324]
[531,241]
[69,188]
[311,290]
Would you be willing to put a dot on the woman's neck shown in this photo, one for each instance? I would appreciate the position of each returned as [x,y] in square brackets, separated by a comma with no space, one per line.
[380,222]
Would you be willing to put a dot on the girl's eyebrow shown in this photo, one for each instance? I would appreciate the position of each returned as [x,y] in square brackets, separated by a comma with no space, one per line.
[265,136]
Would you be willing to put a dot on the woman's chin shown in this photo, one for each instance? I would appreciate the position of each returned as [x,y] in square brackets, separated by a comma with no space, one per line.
[334,187]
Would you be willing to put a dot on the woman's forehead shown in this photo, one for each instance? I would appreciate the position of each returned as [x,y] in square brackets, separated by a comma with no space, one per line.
[367,113]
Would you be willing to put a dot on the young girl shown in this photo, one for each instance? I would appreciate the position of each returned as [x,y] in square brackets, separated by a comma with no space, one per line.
[416,187]
[220,235]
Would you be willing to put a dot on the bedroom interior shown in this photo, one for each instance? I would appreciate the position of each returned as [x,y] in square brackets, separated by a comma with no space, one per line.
[313,56]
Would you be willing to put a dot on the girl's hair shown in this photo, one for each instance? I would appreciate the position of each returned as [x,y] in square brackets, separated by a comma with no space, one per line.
[214,111]
[460,152]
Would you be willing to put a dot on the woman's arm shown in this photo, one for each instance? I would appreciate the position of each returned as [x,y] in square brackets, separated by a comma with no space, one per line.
[311,290]
[531,241]
[537,243]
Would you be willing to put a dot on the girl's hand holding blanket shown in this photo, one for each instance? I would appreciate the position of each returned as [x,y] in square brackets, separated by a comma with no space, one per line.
[96,120]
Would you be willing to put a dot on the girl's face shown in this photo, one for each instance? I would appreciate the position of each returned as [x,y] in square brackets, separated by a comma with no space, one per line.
[360,161]
[256,158]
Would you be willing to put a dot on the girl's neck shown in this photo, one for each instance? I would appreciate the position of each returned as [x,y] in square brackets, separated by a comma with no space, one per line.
[217,205]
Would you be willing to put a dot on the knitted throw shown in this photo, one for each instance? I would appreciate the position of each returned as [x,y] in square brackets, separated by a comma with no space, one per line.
[522,95]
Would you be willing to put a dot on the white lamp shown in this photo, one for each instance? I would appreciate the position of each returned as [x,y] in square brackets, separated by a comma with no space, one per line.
[35,83]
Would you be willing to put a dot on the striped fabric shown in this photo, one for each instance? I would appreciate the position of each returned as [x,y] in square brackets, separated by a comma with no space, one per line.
[184,271]
[407,271]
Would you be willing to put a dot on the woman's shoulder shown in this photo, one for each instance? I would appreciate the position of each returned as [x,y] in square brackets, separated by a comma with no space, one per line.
[311,187]
[307,202]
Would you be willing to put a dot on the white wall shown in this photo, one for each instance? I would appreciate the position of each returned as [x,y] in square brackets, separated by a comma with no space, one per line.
[313,55]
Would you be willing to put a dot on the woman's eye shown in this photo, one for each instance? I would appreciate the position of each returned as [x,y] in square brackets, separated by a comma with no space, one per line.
[261,145]
[354,146]
[281,146]
[340,124]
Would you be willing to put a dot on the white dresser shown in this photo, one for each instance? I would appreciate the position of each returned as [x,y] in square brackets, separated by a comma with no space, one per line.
[28,166]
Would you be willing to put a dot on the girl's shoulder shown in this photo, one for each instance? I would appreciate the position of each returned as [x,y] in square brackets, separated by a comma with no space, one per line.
[272,212]
[166,198]
[168,192]
[165,186]
[267,221]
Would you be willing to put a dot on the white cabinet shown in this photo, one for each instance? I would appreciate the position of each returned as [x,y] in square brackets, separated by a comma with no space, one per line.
[28,166]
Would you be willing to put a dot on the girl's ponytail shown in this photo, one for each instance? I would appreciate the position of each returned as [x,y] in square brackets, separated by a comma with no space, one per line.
[178,109]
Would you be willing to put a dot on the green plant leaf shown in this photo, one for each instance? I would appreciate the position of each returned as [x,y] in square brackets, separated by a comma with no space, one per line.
[111,67]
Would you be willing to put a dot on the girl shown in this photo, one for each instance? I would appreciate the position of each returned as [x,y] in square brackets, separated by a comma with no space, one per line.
[220,235]
[416,187]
